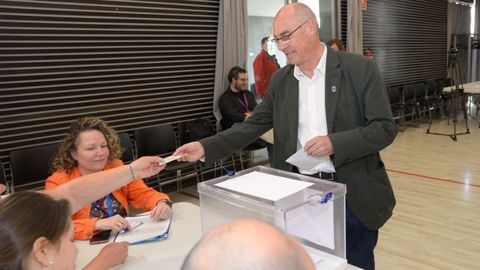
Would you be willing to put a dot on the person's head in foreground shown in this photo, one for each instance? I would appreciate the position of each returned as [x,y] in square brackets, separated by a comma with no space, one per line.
[247,244]
[36,232]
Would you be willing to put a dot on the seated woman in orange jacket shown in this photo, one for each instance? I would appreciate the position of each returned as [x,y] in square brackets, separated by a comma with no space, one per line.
[91,146]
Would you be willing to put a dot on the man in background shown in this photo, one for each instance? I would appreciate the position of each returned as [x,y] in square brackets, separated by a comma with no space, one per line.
[263,68]
[237,103]
[336,45]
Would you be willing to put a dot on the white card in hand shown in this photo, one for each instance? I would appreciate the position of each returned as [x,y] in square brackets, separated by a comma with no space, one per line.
[304,161]
[170,159]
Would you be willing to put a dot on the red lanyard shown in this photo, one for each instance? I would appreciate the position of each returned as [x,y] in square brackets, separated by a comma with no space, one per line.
[244,102]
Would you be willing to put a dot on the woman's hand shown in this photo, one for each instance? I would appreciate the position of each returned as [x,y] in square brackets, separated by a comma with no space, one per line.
[110,256]
[147,166]
[161,211]
[115,223]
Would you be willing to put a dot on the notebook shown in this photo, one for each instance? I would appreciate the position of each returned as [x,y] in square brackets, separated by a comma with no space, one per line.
[144,230]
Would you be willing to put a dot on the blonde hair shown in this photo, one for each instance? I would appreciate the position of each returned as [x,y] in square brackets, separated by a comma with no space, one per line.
[63,159]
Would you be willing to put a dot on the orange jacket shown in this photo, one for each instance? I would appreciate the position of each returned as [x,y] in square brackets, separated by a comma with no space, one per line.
[135,193]
[263,68]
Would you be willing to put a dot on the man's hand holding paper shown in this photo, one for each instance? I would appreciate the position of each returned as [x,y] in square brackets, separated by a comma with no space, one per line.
[190,152]
[319,146]
[315,156]
[306,162]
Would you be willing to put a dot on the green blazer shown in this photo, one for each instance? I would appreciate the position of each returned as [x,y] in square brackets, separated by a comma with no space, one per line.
[359,121]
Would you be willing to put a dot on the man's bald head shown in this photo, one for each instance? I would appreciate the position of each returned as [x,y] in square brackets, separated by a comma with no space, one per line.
[296,29]
[296,11]
[247,244]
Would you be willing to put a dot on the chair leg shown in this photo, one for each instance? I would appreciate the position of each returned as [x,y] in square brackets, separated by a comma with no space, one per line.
[179,180]
[159,183]
[196,174]
[240,159]
[430,112]
[403,121]
[419,117]
[234,162]
[198,169]
[430,117]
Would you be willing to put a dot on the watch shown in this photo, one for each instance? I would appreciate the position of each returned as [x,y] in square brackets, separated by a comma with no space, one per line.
[168,202]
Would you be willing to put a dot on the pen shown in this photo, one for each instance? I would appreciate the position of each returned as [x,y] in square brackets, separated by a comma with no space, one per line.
[136,226]
[126,230]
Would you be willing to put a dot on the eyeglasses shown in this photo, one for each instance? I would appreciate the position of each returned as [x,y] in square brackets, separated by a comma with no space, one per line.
[286,37]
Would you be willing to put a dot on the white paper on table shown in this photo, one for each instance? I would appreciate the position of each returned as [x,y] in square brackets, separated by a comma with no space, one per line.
[265,186]
[304,161]
[314,222]
[149,230]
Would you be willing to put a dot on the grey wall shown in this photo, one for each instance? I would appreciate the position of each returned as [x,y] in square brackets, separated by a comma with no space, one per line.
[326,27]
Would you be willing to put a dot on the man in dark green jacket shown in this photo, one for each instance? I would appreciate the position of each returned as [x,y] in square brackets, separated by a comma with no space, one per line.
[331,104]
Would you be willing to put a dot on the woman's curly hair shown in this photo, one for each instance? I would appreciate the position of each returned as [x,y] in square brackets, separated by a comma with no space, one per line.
[63,159]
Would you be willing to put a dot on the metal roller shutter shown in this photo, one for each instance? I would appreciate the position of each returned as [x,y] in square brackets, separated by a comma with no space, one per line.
[409,38]
[133,63]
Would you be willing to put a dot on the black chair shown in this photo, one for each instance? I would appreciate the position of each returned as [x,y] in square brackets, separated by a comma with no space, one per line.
[447,99]
[411,104]
[397,106]
[246,154]
[3,177]
[127,147]
[423,99]
[194,130]
[420,91]
[432,99]
[161,141]
[30,166]
[444,97]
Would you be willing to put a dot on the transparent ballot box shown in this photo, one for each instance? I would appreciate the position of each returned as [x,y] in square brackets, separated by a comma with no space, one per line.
[310,209]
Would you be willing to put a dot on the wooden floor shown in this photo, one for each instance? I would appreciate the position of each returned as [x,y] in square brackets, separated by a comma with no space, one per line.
[436,222]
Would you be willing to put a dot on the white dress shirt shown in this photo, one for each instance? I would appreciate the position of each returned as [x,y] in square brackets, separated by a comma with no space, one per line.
[312,120]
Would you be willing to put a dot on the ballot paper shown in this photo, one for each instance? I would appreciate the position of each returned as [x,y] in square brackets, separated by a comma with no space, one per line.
[264,186]
[145,229]
[170,159]
[304,161]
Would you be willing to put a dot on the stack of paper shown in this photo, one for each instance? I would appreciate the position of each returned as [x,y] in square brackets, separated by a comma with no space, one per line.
[265,186]
[144,230]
